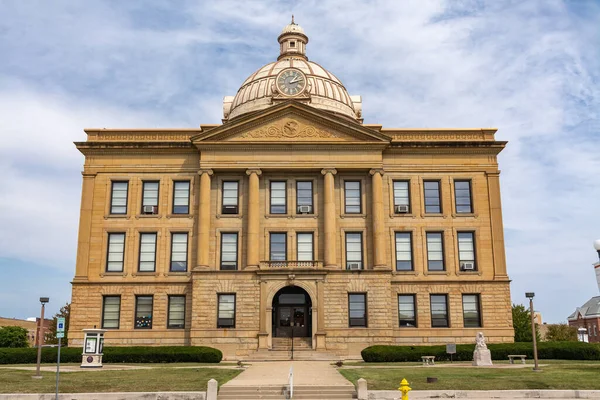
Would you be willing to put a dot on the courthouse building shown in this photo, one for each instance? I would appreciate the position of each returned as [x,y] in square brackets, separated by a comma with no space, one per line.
[292,217]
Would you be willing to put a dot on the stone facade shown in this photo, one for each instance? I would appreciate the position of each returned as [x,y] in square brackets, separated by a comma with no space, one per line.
[291,141]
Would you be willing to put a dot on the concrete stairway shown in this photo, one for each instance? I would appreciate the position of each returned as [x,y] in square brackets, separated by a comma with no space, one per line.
[285,344]
[281,392]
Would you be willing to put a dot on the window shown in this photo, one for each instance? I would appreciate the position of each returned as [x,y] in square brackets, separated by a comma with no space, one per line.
[304,197]
[111,309]
[147,252]
[404,251]
[305,247]
[292,44]
[407,315]
[118,198]
[150,198]
[439,311]
[176,313]
[116,252]
[401,197]
[229,251]
[226,312]
[357,309]
[354,250]
[143,312]
[278,246]
[181,197]
[352,197]
[433,203]
[230,197]
[435,251]
[278,198]
[462,196]
[466,251]
[179,244]
[471,311]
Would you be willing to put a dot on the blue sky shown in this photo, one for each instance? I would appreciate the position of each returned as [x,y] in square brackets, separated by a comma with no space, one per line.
[531,69]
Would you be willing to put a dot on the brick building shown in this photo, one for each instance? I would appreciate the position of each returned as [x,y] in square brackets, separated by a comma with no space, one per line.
[31,326]
[588,315]
[291,215]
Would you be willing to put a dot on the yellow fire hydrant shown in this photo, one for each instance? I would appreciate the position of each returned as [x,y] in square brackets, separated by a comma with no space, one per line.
[404,388]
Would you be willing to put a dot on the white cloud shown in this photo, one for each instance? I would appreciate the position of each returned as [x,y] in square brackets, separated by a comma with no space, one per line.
[528,68]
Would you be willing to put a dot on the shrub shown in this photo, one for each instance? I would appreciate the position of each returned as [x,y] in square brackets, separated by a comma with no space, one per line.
[13,336]
[164,354]
[464,352]
[561,333]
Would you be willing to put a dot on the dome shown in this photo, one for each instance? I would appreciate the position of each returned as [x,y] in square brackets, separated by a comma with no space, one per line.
[322,89]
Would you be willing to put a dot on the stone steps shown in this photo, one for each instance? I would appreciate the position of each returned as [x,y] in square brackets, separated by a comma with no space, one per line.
[284,355]
[281,392]
[286,344]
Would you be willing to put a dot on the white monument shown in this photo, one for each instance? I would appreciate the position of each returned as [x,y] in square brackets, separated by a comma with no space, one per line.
[481,355]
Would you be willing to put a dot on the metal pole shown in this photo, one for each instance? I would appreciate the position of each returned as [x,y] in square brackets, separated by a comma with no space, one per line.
[292,342]
[58,366]
[535,355]
[40,340]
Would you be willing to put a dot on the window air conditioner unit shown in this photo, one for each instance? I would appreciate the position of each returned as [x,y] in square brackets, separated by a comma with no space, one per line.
[467,266]
[354,266]
[304,209]
[402,209]
[230,209]
[150,209]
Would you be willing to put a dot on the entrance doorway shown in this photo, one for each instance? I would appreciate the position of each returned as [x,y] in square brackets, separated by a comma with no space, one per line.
[292,313]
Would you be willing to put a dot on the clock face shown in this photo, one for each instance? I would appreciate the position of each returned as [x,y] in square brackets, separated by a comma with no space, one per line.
[291,82]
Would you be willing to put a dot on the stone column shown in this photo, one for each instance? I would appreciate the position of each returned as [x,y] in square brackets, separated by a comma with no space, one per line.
[379,253]
[263,335]
[330,218]
[85,226]
[203,228]
[497,226]
[252,233]
[320,310]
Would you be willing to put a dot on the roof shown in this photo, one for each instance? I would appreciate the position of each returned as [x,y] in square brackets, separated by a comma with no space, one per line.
[590,309]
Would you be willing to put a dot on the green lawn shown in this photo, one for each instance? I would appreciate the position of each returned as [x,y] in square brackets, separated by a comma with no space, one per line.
[556,375]
[143,380]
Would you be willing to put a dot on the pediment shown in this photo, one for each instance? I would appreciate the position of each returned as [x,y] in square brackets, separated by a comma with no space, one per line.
[291,123]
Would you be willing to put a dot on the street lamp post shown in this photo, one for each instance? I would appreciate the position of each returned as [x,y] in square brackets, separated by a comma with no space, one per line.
[530,296]
[40,337]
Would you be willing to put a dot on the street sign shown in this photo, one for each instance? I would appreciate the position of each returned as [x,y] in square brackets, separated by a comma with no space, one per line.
[60,325]
[60,335]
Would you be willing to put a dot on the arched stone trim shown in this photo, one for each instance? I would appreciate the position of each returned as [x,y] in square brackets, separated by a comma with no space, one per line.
[309,287]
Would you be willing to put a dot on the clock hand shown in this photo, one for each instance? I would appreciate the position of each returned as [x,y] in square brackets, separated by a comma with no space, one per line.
[296,79]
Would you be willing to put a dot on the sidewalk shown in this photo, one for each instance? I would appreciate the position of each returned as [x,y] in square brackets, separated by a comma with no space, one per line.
[308,373]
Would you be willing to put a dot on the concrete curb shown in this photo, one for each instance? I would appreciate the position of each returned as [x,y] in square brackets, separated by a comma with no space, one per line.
[108,396]
[486,394]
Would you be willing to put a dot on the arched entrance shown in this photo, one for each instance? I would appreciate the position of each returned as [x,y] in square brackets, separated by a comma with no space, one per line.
[292,313]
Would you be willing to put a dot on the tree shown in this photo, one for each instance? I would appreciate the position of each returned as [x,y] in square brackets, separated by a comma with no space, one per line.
[13,336]
[522,324]
[64,312]
[561,333]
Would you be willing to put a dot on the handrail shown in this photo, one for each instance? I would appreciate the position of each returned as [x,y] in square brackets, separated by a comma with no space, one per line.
[292,342]
[291,382]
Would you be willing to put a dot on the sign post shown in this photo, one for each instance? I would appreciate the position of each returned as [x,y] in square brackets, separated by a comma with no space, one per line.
[451,349]
[60,333]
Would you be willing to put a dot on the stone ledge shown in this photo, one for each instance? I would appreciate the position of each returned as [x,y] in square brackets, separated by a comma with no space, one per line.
[486,394]
[108,396]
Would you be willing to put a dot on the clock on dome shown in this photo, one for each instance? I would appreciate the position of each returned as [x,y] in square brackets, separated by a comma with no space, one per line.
[291,82]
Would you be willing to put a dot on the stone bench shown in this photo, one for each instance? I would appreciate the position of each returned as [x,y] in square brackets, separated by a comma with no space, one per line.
[428,360]
[512,357]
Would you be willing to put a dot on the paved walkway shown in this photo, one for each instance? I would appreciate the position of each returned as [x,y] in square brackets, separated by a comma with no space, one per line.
[314,373]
